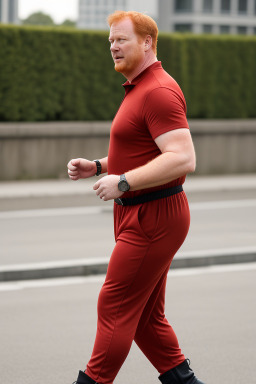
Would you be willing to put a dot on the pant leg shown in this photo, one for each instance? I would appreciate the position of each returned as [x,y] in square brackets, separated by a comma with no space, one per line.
[147,237]
[155,336]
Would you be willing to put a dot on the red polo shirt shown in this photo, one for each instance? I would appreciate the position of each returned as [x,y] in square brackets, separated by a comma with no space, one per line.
[153,104]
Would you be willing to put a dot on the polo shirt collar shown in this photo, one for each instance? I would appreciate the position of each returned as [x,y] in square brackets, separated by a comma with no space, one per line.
[141,76]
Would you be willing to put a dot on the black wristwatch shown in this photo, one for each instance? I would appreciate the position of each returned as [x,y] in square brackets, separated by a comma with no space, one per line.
[123,185]
[99,168]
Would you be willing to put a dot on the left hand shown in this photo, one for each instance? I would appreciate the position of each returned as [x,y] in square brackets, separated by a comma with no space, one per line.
[107,187]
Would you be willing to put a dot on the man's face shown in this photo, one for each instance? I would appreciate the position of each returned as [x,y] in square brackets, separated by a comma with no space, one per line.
[126,48]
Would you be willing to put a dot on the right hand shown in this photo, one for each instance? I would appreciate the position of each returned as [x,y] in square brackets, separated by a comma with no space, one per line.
[81,169]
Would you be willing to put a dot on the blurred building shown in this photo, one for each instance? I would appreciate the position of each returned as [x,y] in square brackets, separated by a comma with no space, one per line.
[197,16]
[207,16]
[9,11]
[92,14]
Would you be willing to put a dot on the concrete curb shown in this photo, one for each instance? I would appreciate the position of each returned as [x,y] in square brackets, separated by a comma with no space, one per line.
[88,267]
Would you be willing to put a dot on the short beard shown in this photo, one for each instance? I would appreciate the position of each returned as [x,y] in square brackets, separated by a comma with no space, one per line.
[122,67]
[127,67]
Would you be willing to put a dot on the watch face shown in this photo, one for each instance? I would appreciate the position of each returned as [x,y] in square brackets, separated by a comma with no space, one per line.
[123,186]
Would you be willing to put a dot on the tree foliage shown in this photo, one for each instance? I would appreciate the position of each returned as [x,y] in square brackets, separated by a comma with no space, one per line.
[68,23]
[39,18]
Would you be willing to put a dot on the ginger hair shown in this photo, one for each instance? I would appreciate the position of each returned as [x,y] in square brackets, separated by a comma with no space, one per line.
[143,24]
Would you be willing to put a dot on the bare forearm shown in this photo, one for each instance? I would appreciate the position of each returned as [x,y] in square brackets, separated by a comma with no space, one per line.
[166,167]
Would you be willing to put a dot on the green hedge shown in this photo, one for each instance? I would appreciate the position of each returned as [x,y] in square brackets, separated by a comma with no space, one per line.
[51,74]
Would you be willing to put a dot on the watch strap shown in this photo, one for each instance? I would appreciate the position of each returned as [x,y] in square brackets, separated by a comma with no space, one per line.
[99,167]
[123,178]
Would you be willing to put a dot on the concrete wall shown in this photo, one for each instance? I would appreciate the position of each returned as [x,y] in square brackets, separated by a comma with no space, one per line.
[42,150]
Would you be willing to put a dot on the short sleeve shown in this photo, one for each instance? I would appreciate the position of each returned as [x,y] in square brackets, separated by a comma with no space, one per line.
[164,110]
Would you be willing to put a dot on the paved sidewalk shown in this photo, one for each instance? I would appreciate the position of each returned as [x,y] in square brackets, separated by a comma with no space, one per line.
[21,189]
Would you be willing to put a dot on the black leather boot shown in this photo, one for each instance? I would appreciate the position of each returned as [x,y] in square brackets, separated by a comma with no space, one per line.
[84,379]
[182,374]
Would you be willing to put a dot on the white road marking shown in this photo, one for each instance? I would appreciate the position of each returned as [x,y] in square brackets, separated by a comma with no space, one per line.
[212,269]
[54,212]
[216,252]
[55,264]
[95,210]
[44,283]
[209,205]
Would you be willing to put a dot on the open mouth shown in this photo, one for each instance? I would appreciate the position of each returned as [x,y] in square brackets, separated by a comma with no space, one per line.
[118,58]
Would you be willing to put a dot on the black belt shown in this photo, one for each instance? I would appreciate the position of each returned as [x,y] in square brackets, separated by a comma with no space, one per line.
[149,196]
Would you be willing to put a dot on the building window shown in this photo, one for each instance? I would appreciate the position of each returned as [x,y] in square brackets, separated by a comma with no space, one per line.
[241,30]
[207,28]
[207,5]
[183,5]
[225,6]
[224,29]
[0,11]
[242,6]
[183,27]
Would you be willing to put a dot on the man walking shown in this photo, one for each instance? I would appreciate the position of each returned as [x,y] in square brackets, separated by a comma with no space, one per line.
[150,153]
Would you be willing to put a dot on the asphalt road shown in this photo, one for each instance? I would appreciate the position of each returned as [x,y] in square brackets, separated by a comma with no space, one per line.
[218,221]
[47,331]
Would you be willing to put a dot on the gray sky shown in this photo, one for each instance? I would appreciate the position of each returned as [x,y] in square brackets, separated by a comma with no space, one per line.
[60,10]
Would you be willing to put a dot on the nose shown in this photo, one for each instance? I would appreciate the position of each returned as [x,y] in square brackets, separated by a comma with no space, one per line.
[114,46]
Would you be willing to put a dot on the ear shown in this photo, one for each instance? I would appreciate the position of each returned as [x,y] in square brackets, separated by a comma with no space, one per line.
[147,43]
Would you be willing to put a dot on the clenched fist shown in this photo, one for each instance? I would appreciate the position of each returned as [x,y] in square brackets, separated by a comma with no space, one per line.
[107,187]
[81,169]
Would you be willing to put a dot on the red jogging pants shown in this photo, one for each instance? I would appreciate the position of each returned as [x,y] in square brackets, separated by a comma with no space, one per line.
[132,299]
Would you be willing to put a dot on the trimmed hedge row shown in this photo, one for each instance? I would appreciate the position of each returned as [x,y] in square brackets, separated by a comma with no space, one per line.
[216,73]
[49,74]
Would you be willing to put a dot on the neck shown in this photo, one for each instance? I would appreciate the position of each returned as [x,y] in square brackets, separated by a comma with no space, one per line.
[146,63]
